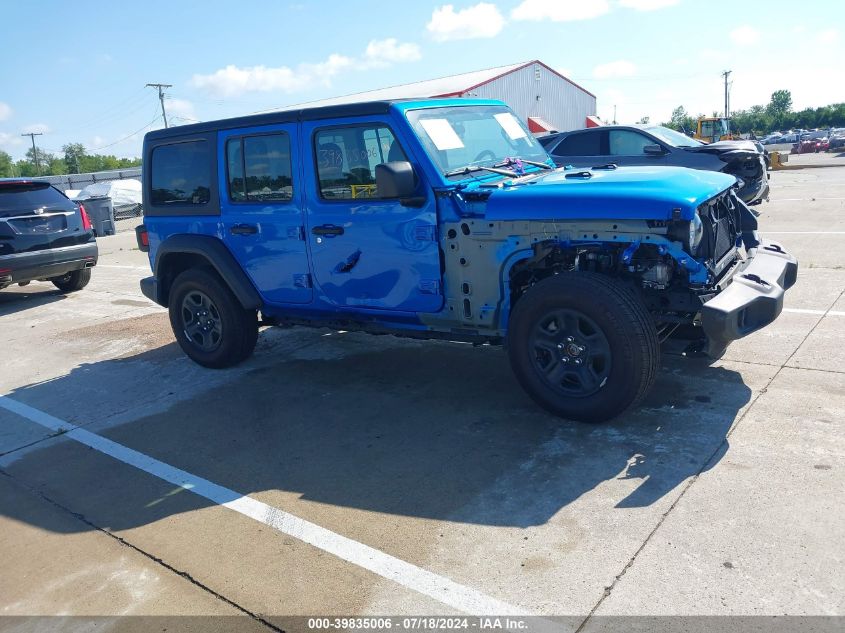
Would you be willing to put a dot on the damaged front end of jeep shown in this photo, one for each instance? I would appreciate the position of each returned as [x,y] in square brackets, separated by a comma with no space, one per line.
[706,277]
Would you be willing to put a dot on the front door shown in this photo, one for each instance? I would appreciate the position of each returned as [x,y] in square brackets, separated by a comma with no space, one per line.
[367,251]
[261,210]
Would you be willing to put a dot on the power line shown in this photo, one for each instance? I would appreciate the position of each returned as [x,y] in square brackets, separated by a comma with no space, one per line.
[32,136]
[161,88]
[128,136]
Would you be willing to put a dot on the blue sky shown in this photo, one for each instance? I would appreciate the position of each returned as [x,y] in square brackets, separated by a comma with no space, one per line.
[80,68]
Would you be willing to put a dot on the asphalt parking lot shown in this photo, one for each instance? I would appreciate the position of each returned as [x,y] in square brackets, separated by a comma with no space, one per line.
[346,474]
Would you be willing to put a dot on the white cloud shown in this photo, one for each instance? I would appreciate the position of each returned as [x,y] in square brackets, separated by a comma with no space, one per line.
[647,5]
[181,111]
[620,68]
[8,140]
[382,53]
[234,80]
[37,128]
[560,10]
[477,21]
[5,111]
[745,35]
[827,36]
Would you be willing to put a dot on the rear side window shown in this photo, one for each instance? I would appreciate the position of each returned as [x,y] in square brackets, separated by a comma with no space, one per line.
[581,144]
[347,159]
[259,168]
[16,197]
[181,173]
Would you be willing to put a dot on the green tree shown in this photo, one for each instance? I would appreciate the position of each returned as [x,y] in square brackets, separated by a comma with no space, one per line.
[781,103]
[7,167]
[644,120]
[40,161]
[680,120]
[74,153]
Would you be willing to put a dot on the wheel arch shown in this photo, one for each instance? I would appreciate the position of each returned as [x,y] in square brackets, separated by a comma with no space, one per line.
[180,252]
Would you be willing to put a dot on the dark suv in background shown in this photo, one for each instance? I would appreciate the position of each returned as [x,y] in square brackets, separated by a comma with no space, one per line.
[44,236]
[655,145]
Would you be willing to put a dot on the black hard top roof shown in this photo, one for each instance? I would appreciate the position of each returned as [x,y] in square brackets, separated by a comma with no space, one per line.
[282,116]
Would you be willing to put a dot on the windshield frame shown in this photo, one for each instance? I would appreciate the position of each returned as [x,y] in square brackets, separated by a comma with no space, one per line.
[525,147]
[671,137]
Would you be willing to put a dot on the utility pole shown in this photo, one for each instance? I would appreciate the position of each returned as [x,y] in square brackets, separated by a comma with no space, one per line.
[726,74]
[161,88]
[32,136]
[614,114]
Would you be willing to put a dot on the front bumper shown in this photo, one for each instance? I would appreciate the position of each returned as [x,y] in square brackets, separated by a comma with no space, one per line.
[753,298]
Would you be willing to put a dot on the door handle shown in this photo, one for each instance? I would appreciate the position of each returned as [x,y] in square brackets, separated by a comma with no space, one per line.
[243,229]
[327,230]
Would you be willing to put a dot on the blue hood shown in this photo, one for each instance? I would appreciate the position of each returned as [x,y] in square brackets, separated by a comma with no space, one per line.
[626,193]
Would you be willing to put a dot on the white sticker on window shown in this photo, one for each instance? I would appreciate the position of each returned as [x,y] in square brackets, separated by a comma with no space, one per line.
[441,133]
[511,126]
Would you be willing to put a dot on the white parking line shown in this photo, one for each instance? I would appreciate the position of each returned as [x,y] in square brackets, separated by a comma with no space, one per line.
[804,233]
[442,589]
[824,312]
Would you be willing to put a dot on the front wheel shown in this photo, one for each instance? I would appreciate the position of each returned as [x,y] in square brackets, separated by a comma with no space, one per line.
[583,346]
[210,324]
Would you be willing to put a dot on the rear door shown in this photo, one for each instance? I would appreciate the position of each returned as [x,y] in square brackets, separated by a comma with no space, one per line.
[36,216]
[581,149]
[261,209]
[368,251]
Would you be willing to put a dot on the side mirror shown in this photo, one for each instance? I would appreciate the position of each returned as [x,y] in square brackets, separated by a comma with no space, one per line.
[395,179]
[653,150]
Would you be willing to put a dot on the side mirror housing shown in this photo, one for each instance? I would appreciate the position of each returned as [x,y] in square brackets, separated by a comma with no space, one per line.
[395,179]
[653,150]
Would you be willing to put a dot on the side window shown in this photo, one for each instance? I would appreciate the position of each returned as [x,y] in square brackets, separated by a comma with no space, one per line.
[181,173]
[347,159]
[628,143]
[259,168]
[581,144]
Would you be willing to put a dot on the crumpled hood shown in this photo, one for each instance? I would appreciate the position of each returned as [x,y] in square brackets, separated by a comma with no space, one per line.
[625,193]
[720,147]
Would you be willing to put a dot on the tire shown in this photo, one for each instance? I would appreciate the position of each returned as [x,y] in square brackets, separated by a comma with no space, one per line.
[73,281]
[209,323]
[583,346]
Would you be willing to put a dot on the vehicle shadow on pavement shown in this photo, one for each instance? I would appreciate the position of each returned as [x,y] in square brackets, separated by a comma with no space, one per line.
[36,297]
[430,430]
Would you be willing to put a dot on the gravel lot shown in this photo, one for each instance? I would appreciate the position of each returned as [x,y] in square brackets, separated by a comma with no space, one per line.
[345,474]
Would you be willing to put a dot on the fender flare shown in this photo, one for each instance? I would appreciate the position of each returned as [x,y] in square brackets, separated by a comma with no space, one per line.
[218,256]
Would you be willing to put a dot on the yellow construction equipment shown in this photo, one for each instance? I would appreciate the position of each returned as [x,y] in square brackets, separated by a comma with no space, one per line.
[713,128]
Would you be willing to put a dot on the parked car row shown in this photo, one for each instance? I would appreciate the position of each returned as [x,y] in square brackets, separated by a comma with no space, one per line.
[658,145]
[446,219]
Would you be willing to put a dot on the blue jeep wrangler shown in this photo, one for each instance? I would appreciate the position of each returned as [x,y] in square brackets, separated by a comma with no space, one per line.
[445,219]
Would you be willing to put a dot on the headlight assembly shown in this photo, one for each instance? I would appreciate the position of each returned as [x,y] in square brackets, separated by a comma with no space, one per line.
[688,233]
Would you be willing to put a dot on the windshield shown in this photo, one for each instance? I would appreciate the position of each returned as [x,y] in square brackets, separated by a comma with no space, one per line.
[474,136]
[673,138]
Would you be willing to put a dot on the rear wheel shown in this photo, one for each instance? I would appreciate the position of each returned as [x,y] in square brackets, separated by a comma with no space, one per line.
[209,322]
[72,281]
[583,346]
